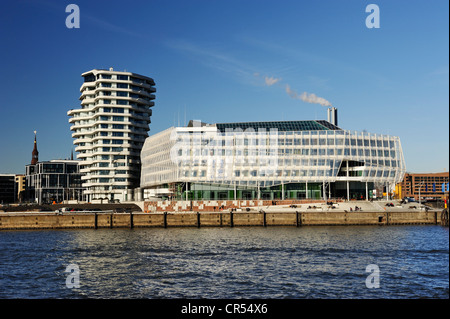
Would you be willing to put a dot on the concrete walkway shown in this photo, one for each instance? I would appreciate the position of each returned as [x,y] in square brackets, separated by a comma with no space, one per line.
[375,206]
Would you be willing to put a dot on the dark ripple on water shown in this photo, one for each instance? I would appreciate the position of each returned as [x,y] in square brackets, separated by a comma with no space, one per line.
[278,262]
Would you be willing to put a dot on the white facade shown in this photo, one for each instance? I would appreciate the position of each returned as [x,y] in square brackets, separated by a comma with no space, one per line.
[267,157]
[109,131]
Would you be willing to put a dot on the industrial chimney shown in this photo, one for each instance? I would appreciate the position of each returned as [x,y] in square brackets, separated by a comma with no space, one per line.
[332,115]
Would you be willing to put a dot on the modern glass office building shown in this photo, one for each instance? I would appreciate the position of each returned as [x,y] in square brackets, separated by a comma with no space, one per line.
[53,181]
[268,160]
[109,131]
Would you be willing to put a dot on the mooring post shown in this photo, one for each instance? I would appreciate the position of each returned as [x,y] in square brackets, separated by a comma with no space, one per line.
[131,220]
[165,219]
[264,219]
[111,220]
[198,220]
[298,218]
[95,221]
[231,218]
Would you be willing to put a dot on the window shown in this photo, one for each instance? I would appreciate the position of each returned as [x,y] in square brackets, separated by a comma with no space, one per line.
[120,93]
[122,86]
[106,101]
[118,118]
[117,133]
[53,168]
[89,78]
[118,126]
[122,77]
[118,110]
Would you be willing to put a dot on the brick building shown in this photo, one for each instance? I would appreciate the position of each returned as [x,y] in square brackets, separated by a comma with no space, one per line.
[429,184]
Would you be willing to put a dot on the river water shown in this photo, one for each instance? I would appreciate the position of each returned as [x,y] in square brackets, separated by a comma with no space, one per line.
[241,262]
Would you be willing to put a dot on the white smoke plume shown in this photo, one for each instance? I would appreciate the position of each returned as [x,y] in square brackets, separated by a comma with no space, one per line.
[307,97]
[271,81]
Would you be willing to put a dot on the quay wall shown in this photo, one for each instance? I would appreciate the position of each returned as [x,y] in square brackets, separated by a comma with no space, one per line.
[212,219]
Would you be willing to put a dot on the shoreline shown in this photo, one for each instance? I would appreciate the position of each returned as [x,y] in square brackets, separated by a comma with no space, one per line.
[110,219]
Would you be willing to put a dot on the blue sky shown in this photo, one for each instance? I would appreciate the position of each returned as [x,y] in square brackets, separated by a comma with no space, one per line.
[231,61]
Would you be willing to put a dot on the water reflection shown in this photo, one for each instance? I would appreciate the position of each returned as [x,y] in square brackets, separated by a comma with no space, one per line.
[240,262]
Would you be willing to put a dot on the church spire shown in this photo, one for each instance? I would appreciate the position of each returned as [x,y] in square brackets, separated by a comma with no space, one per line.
[35,153]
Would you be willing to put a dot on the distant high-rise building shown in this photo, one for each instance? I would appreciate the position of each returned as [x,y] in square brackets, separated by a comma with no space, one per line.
[109,131]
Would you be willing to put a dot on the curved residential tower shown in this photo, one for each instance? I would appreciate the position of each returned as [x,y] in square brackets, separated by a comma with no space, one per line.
[109,131]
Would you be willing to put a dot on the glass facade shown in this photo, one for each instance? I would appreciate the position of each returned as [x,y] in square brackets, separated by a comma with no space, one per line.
[259,158]
[53,181]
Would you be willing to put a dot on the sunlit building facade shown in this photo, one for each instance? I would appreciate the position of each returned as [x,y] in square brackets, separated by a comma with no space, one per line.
[268,160]
[109,131]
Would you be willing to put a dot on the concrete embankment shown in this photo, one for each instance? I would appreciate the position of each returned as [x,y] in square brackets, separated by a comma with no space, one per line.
[50,220]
